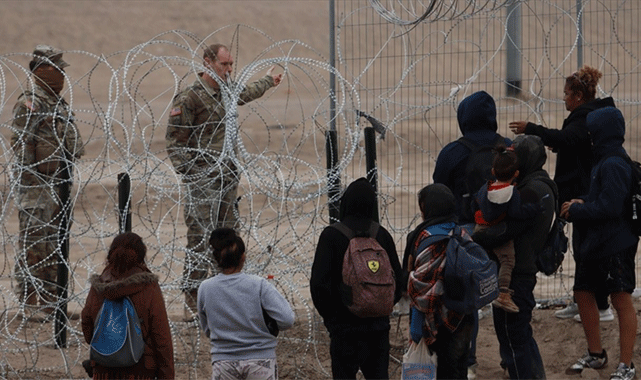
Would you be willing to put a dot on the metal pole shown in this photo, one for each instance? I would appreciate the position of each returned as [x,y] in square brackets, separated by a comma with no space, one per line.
[63,270]
[514,48]
[331,145]
[370,160]
[124,204]
[333,180]
[579,42]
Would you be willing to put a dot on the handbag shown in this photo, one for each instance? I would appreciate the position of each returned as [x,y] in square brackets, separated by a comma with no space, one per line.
[419,363]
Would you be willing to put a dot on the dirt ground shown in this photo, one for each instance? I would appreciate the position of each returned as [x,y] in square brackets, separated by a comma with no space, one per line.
[108,27]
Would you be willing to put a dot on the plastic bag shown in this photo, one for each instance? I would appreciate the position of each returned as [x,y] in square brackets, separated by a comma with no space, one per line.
[419,363]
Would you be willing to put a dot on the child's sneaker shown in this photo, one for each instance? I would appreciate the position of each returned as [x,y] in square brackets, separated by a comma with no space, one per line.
[471,371]
[623,372]
[505,302]
[588,361]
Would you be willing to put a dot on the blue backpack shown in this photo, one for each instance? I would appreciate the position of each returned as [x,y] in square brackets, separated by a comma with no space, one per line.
[470,276]
[117,337]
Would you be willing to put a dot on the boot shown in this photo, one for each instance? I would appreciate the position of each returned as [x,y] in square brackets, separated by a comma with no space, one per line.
[505,302]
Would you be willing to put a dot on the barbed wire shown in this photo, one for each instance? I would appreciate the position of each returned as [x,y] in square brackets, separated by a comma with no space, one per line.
[122,103]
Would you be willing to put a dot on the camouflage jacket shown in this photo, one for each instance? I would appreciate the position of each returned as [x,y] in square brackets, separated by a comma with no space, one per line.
[45,136]
[196,131]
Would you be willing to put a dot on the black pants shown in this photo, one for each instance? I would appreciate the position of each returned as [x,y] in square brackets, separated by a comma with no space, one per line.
[453,350]
[519,351]
[601,296]
[368,351]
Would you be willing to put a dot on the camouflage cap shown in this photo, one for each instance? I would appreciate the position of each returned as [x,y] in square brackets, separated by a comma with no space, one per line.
[49,54]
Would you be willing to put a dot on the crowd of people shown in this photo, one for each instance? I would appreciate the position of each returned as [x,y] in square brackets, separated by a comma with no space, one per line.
[514,211]
[242,314]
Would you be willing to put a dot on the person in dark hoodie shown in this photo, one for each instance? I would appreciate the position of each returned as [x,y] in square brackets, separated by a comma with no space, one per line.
[355,343]
[446,332]
[126,274]
[517,346]
[574,158]
[476,116]
[607,253]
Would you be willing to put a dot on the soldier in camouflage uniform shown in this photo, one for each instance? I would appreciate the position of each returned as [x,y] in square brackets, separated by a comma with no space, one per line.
[45,140]
[195,137]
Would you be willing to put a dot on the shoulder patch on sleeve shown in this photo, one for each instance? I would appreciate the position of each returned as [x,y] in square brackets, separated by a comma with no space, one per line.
[175,111]
[29,104]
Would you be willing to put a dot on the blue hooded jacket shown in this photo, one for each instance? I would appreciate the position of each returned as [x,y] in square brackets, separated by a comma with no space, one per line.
[476,117]
[601,216]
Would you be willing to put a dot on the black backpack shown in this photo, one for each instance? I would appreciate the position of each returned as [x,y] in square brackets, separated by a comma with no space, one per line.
[552,255]
[634,202]
[632,206]
[478,170]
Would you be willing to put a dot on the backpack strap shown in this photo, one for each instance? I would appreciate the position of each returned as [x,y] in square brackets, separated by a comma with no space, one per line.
[350,234]
[555,191]
[471,145]
[342,228]
[467,142]
[432,239]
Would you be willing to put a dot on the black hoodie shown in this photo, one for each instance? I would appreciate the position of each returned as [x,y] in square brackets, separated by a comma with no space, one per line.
[358,204]
[476,116]
[601,216]
[531,154]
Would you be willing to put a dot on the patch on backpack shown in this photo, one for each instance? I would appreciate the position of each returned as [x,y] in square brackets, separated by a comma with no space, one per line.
[176,111]
[373,265]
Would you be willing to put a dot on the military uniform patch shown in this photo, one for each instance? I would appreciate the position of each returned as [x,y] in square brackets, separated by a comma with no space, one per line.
[176,111]
[29,104]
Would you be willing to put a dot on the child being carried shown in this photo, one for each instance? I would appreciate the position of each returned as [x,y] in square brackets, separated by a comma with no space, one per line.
[495,202]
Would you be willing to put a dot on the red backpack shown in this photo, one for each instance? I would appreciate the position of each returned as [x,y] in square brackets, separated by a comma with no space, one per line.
[368,278]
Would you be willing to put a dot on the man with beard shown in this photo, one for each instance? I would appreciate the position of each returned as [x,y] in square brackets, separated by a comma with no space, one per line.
[195,137]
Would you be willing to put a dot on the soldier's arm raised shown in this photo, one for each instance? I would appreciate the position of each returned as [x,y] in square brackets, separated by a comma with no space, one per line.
[257,89]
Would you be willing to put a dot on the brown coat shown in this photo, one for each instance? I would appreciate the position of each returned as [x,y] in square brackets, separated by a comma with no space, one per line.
[143,289]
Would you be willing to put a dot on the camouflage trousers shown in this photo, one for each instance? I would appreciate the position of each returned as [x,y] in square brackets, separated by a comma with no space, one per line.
[36,267]
[251,369]
[210,203]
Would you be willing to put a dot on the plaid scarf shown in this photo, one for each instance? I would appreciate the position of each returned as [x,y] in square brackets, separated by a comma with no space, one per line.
[425,288]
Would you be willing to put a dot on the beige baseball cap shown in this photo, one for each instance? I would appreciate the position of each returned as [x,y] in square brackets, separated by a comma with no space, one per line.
[49,54]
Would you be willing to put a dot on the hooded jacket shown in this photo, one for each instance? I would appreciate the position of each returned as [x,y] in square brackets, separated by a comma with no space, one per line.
[144,291]
[442,208]
[573,147]
[532,180]
[476,117]
[601,216]
[357,208]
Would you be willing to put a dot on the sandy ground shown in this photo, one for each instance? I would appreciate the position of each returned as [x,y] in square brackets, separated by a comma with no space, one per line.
[87,29]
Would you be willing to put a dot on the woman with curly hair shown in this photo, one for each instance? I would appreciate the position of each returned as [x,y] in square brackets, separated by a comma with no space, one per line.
[574,158]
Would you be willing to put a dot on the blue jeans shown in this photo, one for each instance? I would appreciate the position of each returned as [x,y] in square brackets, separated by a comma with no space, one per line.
[519,351]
